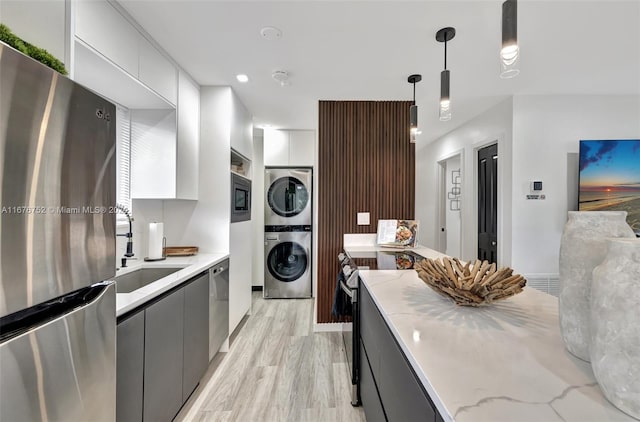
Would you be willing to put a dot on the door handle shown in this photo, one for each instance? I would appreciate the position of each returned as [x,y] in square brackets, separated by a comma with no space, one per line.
[493,243]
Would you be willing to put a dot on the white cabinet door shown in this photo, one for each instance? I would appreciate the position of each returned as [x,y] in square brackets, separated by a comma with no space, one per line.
[239,272]
[156,71]
[153,154]
[188,137]
[276,147]
[301,148]
[105,29]
[241,128]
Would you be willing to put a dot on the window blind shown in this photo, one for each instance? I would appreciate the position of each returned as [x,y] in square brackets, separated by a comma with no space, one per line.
[123,159]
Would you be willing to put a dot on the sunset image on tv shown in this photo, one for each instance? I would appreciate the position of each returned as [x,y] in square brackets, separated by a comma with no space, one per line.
[610,178]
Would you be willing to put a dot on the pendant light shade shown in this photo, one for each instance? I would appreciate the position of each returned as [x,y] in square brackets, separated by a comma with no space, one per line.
[510,51]
[445,103]
[444,35]
[413,110]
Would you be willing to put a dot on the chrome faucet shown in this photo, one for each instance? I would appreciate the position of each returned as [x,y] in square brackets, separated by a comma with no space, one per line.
[129,235]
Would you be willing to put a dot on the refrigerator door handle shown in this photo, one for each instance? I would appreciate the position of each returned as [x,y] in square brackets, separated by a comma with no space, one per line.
[20,322]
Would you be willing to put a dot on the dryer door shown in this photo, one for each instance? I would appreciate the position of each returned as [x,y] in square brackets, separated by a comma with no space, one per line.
[287,196]
[287,261]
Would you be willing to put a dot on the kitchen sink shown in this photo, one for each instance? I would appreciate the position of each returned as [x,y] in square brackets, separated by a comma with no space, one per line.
[139,278]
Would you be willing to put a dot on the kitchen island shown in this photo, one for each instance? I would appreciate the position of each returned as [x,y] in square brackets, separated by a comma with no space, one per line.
[505,362]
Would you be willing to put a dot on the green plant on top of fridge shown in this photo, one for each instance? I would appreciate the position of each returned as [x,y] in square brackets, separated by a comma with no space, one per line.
[37,53]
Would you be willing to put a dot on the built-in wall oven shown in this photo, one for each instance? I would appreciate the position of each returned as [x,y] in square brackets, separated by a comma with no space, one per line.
[240,198]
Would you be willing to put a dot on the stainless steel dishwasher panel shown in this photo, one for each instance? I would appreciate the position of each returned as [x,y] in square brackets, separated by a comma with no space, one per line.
[218,306]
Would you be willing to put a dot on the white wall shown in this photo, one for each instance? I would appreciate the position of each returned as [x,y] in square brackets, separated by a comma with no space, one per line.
[41,23]
[545,130]
[493,125]
[257,208]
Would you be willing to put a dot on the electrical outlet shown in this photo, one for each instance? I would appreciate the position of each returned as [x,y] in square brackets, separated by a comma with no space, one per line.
[363,219]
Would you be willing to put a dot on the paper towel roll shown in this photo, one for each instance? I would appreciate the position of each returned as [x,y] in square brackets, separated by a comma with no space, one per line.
[155,240]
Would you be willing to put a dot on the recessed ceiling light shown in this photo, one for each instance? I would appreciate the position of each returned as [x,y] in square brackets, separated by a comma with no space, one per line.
[271,33]
[242,78]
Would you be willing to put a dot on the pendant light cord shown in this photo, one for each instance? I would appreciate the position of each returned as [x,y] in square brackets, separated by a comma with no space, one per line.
[414,93]
[445,53]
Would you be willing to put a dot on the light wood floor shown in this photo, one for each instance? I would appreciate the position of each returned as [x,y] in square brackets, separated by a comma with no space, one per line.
[277,369]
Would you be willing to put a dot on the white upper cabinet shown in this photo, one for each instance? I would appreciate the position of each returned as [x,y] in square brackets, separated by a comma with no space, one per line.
[101,26]
[289,147]
[276,147]
[188,137]
[153,154]
[103,29]
[241,128]
[302,147]
[156,71]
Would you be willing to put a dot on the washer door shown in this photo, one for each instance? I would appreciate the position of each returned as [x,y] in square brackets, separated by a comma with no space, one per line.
[287,196]
[287,261]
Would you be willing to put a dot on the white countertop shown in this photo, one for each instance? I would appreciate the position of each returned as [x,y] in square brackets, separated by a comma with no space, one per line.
[191,266]
[505,362]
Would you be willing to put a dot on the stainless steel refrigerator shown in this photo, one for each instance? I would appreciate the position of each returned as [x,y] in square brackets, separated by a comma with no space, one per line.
[57,246]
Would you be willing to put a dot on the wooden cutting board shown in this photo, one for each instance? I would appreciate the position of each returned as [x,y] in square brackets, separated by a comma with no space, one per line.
[180,250]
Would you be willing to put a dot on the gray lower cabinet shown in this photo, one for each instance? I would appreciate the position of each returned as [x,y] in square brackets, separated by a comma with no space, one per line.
[400,393]
[163,353]
[368,391]
[196,333]
[130,368]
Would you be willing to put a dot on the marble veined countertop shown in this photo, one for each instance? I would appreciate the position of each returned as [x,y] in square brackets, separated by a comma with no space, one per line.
[191,266]
[505,362]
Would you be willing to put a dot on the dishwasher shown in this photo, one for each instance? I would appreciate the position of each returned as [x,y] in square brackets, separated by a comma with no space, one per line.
[218,306]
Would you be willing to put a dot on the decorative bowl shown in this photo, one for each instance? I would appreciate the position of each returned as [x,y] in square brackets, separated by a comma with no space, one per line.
[475,283]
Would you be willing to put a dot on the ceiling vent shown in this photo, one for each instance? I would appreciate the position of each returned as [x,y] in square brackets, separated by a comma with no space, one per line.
[282,76]
[271,33]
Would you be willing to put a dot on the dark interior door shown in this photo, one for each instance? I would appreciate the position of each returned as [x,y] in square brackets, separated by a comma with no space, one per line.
[488,203]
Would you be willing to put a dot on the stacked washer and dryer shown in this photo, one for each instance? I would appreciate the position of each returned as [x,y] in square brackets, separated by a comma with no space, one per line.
[287,237]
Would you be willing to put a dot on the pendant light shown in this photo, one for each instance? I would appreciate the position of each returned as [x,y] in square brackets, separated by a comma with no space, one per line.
[444,35]
[413,111]
[509,52]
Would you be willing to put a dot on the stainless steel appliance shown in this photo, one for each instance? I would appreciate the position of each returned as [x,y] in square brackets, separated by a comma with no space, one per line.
[288,196]
[240,198]
[287,256]
[218,306]
[57,245]
[350,265]
[348,283]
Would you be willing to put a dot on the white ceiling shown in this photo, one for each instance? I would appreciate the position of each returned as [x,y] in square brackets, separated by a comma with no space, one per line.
[364,50]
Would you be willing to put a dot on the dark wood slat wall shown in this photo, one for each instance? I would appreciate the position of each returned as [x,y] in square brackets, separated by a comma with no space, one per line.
[365,164]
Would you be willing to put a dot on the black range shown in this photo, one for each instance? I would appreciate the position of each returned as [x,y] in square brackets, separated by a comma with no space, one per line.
[385,260]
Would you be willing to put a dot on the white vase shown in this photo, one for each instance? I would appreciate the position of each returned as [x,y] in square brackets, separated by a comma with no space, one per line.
[582,248]
[615,325]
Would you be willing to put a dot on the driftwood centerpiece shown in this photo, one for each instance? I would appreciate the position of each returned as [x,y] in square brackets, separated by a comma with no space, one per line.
[476,283]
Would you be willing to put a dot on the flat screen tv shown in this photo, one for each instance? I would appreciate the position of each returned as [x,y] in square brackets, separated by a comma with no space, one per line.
[610,178]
